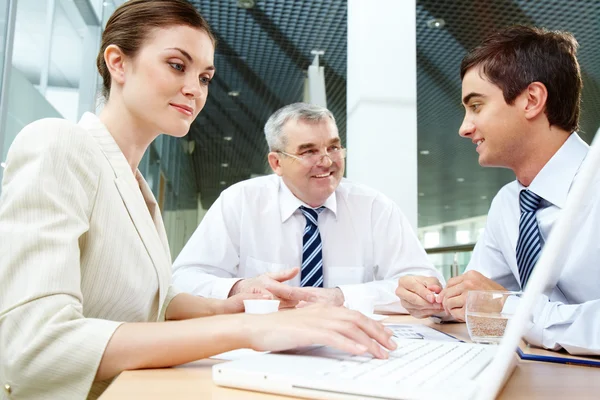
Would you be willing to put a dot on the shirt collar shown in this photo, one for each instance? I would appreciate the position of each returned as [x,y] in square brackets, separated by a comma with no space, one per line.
[554,181]
[288,203]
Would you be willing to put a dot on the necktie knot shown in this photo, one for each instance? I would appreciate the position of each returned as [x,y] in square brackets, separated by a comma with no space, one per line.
[529,201]
[312,214]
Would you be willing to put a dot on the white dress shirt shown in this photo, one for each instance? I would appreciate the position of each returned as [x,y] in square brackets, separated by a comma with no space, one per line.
[569,315]
[256,227]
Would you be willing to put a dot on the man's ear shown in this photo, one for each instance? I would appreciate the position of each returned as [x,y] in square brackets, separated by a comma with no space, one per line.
[115,62]
[275,163]
[536,97]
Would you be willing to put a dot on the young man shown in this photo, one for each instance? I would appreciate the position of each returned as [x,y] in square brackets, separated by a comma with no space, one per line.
[351,242]
[521,91]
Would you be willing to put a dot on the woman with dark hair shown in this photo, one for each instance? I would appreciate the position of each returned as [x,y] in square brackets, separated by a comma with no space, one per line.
[85,269]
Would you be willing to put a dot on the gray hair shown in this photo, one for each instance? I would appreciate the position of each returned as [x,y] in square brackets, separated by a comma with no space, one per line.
[276,138]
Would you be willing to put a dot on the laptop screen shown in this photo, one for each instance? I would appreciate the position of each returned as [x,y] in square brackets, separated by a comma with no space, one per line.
[546,273]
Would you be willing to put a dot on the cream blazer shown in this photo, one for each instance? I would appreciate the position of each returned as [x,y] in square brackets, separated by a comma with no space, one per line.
[82,249]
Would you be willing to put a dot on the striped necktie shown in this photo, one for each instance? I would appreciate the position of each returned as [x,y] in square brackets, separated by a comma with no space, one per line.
[529,244]
[312,257]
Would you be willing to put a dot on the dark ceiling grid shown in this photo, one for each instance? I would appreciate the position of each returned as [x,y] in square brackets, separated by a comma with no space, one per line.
[250,78]
[262,53]
[253,105]
[301,26]
[590,107]
[246,157]
[208,128]
[253,114]
[292,17]
[210,173]
[439,169]
[256,124]
[247,82]
[267,66]
[470,21]
[213,151]
[439,116]
[207,147]
[582,18]
[439,55]
[246,138]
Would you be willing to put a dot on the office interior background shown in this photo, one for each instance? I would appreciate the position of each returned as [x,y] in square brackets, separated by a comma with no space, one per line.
[263,58]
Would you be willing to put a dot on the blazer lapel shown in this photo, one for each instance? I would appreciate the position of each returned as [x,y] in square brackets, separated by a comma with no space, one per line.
[154,213]
[138,200]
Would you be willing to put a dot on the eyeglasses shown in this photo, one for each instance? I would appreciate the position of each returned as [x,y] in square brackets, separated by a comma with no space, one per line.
[314,157]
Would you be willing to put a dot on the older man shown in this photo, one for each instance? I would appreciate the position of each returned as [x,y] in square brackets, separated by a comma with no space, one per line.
[351,242]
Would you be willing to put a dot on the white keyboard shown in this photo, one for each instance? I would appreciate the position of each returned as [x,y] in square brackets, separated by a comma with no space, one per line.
[414,362]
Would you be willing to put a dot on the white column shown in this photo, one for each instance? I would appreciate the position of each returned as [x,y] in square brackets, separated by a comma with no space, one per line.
[88,81]
[8,14]
[314,89]
[47,51]
[382,99]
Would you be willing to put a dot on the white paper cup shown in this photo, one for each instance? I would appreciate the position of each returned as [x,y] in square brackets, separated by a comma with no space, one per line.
[257,306]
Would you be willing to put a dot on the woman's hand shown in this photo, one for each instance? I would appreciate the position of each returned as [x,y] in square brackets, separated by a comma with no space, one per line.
[338,327]
[187,306]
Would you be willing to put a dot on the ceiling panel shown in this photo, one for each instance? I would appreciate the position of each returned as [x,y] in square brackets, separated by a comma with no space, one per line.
[439,111]
[263,53]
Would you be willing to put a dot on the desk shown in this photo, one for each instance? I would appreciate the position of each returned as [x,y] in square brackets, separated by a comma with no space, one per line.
[530,380]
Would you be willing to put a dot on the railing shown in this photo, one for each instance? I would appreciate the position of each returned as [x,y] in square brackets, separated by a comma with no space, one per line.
[449,249]
[451,261]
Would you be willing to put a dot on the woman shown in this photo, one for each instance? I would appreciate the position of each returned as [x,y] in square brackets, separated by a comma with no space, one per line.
[84,263]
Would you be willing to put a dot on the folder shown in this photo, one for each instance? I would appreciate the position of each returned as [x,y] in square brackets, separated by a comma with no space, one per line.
[529,353]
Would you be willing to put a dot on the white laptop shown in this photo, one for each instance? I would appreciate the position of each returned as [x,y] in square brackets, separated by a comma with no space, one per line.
[418,369]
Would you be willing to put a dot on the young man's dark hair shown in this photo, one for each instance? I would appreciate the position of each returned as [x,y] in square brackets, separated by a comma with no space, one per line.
[519,55]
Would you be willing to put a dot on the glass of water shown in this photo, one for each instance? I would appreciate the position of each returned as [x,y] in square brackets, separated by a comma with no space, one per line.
[488,312]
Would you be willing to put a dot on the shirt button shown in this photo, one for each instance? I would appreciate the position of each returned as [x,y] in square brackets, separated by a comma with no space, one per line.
[7,388]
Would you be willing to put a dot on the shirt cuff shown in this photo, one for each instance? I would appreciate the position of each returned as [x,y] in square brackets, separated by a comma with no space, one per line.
[383,300]
[222,287]
[535,332]
[354,295]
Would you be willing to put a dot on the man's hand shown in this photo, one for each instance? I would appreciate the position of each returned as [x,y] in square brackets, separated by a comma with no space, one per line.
[330,296]
[454,296]
[272,283]
[417,295]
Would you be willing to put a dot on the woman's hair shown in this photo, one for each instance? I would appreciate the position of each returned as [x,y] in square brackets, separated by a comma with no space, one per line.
[132,22]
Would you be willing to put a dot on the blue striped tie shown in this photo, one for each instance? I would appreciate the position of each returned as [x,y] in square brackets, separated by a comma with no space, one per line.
[312,257]
[529,244]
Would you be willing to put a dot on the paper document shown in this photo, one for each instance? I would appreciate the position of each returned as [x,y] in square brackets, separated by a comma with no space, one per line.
[418,331]
[238,354]
[377,317]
